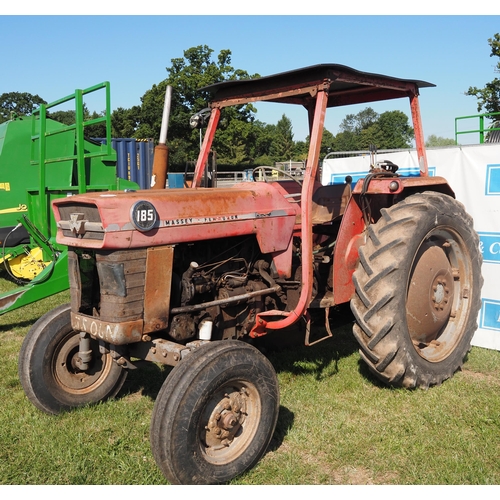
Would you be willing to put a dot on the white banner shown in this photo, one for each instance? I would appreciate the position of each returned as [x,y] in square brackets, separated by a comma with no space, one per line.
[473,172]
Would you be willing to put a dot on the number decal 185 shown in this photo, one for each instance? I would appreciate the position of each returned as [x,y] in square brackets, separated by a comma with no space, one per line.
[143,215]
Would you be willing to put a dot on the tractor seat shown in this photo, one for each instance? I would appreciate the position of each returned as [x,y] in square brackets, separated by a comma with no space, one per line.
[329,202]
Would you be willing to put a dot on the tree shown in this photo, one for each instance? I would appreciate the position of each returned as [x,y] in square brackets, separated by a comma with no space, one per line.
[361,121]
[124,122]
[389,130]
[434,141]
[236,143]
[241,140]
[97,129]
[489,96]
[18,104]
[263,142]
[68,117]
[395,131]
[282,144]
[327,143]
[346,141]
[186,76]
[301,150]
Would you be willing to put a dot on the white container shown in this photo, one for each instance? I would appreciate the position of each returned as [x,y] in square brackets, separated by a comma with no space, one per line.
[205,331]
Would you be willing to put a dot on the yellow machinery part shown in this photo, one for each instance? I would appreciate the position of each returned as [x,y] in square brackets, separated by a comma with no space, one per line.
[5,258]
[28,266]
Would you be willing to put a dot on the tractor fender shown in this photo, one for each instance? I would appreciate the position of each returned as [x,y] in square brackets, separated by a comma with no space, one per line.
[352,230]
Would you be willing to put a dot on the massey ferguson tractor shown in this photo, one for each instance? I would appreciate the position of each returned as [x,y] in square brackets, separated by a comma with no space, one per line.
[191,277]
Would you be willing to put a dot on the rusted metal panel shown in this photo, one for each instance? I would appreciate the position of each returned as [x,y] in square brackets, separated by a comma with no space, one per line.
[187,215]
[75,282]
[307,236]
[353,225]
[383,185]
[205,148]
[346,252]
[159,351]
[419,135]
[163,351]
[121,333]
[157,287]
[289,95]
[430,294]
[121,283]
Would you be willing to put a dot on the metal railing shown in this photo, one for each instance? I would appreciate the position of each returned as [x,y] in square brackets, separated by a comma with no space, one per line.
[483,132]
[45,140]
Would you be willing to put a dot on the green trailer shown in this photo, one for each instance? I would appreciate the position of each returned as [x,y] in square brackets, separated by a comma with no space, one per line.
[42,160]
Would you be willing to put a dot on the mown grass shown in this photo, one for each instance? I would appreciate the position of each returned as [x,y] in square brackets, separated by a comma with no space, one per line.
[337,424]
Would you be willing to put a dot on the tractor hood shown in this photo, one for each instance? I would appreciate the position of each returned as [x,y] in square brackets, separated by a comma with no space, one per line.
[120,220]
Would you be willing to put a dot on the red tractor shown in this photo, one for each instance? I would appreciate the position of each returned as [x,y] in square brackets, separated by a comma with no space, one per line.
[191,277]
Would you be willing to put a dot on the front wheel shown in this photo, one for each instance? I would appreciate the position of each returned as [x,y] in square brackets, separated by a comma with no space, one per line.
[418,291]
[48,368]
[215,414]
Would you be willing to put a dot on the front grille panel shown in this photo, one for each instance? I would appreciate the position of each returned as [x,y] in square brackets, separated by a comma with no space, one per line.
[90,214]
[121,282]
[108,284]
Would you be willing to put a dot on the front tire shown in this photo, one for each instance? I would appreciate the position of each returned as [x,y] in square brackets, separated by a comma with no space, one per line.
[215,414]
[418,285]
[47,371]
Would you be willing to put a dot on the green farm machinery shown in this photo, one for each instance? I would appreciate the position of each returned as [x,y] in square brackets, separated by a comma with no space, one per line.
[41,160]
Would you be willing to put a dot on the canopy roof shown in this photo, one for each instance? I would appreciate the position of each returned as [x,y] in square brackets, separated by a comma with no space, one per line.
[346,86]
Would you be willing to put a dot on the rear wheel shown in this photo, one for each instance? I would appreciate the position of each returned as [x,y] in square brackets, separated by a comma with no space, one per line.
[48,366]
[418,285]
[215,414]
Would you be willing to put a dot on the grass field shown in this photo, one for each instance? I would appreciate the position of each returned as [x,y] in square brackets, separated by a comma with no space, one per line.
[337,424]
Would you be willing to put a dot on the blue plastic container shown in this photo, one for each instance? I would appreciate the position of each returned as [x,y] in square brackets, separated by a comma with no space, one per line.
[134,159]
[175,180]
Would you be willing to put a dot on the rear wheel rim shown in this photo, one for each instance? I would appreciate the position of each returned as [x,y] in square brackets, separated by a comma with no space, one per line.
[438,293]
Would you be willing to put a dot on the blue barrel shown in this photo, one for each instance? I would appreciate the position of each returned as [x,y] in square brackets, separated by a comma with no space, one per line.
[134,159]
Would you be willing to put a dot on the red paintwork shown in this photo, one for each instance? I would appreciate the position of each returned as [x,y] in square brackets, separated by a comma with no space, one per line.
[205,147]
[192,215]
[346,252]
[381,185]
[351,234]
[419,134]
[259,208]
[306,224]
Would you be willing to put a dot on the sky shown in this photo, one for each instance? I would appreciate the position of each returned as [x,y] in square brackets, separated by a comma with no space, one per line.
[56,51]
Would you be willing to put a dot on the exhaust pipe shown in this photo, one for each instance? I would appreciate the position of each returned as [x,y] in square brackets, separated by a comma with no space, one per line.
[160,162]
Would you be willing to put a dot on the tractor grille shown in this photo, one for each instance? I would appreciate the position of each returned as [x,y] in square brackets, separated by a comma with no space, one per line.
[89,213]
[121,281]
[116,291]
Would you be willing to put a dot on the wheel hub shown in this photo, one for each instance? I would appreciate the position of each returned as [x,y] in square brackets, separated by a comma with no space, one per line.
[67,372]
[226,420]
[430,295]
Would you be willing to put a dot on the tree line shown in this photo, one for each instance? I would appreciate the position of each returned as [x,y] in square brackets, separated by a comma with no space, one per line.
[242,140]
